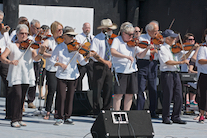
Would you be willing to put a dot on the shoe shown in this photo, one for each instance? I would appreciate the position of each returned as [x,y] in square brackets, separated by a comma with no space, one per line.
[15,124]
[179,121]
[187,104]
[193,103]
[22,123]
[31,105]
[201,119]
[47,117]
[167,121]
[68,121]
[58,122]
[155,116]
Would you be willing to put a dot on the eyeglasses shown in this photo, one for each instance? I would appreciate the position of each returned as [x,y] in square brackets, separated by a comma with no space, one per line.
[130,34]
[23,33]
[191,39]
[70,35]
[37,27]
[59,30]
[137,31]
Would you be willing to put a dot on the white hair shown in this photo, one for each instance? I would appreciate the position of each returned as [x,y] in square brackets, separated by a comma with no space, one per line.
[1,13]
[127,27]
[33,22]
[150,26]
[20,27]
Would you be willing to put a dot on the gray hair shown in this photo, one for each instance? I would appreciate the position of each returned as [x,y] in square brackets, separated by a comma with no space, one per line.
[1,13]
[20,27]
[150,26]
[33,22]
[126,27]
[67,29]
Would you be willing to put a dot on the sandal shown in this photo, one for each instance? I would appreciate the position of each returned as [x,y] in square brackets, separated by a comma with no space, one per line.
[47,117]
[22,123]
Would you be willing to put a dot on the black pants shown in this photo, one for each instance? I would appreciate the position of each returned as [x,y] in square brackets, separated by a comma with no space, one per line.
[88,68]
[52,85]
[172,89]
[65,97]
[3,73]
[102,80]
[32,90]
[18,96]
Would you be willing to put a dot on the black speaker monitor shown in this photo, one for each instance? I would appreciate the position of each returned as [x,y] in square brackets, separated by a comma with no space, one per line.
[124,124]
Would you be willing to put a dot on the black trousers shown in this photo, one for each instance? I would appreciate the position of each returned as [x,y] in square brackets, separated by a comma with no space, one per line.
[18,96]
[147,73]
[32,90]
[102,80]
[88,68]
[52,85]
[65,94]
[172,89]
[3,73]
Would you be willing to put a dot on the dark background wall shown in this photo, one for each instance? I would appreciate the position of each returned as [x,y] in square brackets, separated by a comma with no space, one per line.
[190,15]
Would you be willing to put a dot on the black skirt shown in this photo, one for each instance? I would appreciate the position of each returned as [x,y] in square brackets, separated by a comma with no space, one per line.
[128,84]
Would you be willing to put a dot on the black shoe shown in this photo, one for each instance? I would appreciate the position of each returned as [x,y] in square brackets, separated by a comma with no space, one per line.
[179,121]
[155,116]
[167,121]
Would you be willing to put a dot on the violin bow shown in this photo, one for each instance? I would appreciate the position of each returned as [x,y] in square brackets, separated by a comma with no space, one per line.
[181,45]
[171,23]
[28,46]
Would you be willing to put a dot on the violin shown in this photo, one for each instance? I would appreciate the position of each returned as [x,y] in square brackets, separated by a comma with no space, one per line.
[25,44]
[41,37]
[111,38]
[158,39]
[134,42]
[74,46]
[59,39]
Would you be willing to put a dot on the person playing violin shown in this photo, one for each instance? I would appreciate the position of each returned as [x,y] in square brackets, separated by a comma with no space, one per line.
[67,75]
[170,79]
[125,66]
[4,41]
[82,38]
[137,32]
[56,30]
[148,70]
[25,77]
[34,30]
[102,76]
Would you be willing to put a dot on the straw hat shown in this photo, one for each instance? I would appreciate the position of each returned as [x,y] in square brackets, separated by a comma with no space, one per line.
[69,30]
[107,23]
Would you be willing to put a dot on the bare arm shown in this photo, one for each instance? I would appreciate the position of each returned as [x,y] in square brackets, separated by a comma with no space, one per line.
[171,62]
[97,57]
[4,56]
[202,61]
[143,53]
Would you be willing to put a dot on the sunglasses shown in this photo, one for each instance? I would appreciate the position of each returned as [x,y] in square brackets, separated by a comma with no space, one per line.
[24,33]
[137,31]
[70,35]
[130,34]
[191,39]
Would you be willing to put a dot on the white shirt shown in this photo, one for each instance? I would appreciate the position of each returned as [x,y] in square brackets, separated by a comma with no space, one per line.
[98,45]
[23,73]
[81,38]
[4,41]
[71,72]
[122,65]
[184,67]
[202,54]
[52,45]
[12,36]
[146,37]
[164,55]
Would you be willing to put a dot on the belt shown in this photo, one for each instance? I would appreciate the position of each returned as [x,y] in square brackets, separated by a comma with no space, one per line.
[170,72]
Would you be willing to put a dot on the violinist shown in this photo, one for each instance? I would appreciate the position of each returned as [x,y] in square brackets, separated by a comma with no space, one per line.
[56,30]
[4,42]
[85,36]
[170,79]
[148,70]
[21,73]
[34,30]
[137,32]
[67,75]
[102,76]
[125,66]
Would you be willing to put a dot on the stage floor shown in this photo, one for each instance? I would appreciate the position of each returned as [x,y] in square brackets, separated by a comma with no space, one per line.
[37,127]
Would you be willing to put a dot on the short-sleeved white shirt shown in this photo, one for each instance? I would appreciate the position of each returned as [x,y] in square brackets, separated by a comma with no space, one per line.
[146,37]
[4,41]
[164,55]
[23,73]
[202,54]
[98,45]
[71,72]
[52,45]
[81,38]
[122,65]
